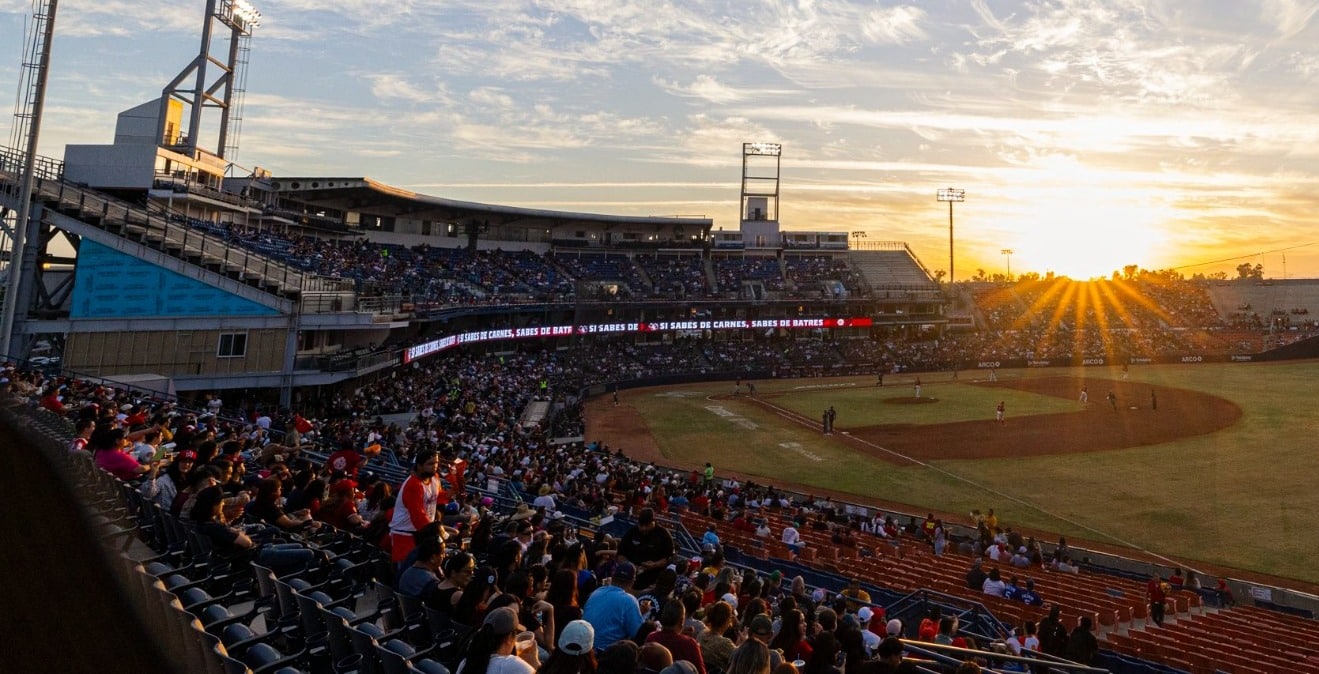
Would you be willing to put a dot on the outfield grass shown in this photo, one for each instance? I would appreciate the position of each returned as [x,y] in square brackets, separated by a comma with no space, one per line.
[1242,497]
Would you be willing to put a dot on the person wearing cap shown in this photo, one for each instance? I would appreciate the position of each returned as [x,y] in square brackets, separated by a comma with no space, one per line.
[576,652]
[889,660]
[647,545]
[493,648]
[670,636]
[762,629]
[162,489]
[865,617]
[612,609]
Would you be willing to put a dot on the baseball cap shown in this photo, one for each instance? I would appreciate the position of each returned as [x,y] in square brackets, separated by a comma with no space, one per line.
[894,627]
[761,624]
[188,454]
[730,598]
[503,620]
[578,638]
[865,614]
[625,571]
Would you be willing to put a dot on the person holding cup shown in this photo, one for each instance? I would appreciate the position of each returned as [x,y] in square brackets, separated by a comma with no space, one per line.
[501,646]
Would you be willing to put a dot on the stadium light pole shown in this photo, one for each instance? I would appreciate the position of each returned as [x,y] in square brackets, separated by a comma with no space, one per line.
[951,195]
[856,239]
[1007,252]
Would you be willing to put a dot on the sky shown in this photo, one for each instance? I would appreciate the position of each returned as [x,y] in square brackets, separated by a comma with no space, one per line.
[1088,135]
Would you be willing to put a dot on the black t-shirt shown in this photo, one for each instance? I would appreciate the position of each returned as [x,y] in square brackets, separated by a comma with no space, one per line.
[268,513]
[222,538]
[639,547]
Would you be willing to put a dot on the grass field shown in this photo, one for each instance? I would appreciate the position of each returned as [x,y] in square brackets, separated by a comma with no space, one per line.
[1241,497]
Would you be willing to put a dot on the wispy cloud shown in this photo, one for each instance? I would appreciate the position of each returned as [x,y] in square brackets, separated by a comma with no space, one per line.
[1198,121]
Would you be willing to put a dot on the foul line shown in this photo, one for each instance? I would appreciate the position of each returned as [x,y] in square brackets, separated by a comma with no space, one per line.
[803,420]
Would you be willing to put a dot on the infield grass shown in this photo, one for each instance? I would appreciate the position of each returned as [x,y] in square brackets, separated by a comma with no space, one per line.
[1244,497]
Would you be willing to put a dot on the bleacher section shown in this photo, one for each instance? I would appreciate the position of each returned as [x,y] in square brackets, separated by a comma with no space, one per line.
[733,270]
[891,269]
[162,234]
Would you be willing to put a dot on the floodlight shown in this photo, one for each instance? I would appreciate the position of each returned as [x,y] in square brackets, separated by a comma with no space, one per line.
[764,149]
[950,195]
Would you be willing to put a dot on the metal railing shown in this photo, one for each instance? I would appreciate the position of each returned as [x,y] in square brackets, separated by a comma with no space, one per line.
[136,223]
[12,160]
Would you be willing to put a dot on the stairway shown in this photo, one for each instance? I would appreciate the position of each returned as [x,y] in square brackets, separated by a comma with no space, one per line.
[174,239]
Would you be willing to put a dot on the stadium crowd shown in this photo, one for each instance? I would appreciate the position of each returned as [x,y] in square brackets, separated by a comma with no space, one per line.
[633,602]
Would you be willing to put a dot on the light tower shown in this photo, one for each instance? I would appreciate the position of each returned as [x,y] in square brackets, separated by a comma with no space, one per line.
[224,93]
[1007,253]
[950,195]
[19,287]
[760,194]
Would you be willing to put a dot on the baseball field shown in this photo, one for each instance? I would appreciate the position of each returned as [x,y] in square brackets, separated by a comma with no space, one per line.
[1209,466]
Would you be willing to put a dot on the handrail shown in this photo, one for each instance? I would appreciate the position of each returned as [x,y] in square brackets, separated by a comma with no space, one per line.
[100,210]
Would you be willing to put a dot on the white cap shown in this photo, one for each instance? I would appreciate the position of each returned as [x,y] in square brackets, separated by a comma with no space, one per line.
[865,614]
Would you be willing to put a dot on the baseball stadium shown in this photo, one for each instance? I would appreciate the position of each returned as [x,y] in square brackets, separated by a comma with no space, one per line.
[197,357]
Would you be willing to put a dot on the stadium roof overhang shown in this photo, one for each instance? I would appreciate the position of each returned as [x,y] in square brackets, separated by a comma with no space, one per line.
[367,196]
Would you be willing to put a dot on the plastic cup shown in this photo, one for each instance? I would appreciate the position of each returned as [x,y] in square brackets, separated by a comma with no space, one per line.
[525,641]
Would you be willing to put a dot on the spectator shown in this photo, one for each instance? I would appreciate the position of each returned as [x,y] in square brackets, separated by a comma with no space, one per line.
[459,569]
[265,508]
[470,607]
[855,594]
[562,596]
[416,504]
[791,639]
[716,648]
[994,585]
[492,647]
[620,658]
[752,657]
[236,546]
[612,610]
[647,545]
[162,489]
[1053,634]
[761,629]
[976,576]
[576,652]
[422,578]
[889,660]
[670,635]
[1082,645]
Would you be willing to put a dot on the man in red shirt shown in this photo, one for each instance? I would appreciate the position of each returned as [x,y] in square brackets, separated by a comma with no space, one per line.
[417,503]
[672,619]
[1156,593]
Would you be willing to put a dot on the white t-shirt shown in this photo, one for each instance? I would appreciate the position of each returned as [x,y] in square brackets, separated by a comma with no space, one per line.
[504,664]
[790,536]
